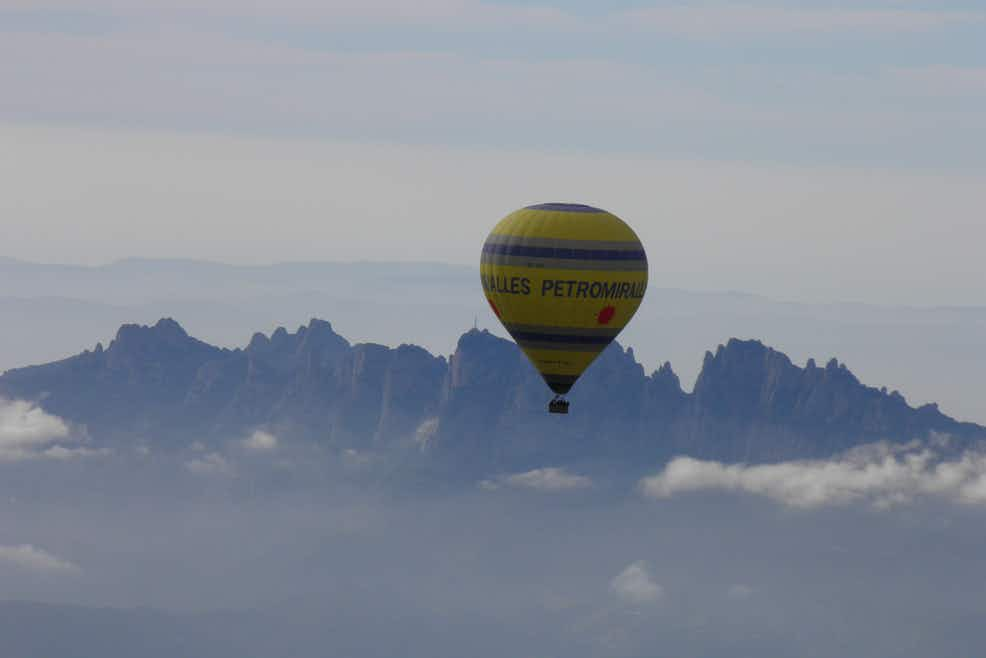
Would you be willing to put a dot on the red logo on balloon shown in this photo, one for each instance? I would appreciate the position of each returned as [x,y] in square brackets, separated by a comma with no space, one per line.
[493,306]
[606,315]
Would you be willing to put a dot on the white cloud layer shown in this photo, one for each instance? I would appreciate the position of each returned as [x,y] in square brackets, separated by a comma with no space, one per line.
[29,432]
[425,432]
[549,479]
[880,474]
[260,442]
[32,558]
[684,19]
[332,14]
[748,19]
[636,585]
[739,592]
[23,424]
[212,464]
[356,459]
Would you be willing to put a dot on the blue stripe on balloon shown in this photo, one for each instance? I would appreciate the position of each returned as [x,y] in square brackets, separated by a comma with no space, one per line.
[558,252]
[537,337]
[564,207]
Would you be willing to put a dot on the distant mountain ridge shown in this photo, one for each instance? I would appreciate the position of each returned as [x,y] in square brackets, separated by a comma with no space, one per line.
[50,311]
[483,405]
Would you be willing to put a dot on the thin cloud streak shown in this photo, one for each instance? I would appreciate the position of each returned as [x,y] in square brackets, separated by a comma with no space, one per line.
[210,465]
[752,20]
[549,479]
[332,15]
[953,81]
[696,21]
[192,77]
[32,558]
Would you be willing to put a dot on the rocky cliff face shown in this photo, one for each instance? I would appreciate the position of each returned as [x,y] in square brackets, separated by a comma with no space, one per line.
[136,383]
[485,405]
[753,401]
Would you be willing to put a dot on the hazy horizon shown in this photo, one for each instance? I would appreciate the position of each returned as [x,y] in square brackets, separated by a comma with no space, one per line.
[434,205]
[56,312]
[472,267]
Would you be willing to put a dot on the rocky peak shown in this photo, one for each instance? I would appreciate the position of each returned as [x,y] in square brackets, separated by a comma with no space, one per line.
[370,361]
[258,342]
[314,343]
[481,358]
[666,375]
[319,335]
[741,376]
[165,332]
[745,380]
[165,341]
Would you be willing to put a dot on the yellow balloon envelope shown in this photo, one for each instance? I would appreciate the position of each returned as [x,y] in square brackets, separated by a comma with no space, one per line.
[564,279]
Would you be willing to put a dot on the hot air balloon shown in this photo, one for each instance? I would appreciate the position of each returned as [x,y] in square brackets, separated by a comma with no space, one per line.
[564,279]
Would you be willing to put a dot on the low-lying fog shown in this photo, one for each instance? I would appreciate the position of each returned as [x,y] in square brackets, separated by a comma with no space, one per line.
[266,554]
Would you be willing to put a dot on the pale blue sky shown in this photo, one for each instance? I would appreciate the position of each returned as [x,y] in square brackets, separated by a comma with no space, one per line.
[834,96]
[889,83]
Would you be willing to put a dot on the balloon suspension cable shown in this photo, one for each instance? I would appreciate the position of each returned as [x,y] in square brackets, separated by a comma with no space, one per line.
[558,405]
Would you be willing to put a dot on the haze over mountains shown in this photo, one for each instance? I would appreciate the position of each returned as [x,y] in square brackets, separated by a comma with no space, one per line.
[296,492]
[51,311]
[483,407]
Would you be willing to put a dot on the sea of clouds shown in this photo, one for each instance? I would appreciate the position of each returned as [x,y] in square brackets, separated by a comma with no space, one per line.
[334,553]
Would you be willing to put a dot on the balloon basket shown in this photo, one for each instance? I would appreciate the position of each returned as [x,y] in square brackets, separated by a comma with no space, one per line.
[558,405]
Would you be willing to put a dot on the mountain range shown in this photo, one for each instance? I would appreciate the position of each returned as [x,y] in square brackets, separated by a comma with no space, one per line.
[483,406]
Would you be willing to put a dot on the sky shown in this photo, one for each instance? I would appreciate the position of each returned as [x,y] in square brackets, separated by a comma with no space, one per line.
[811,151]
